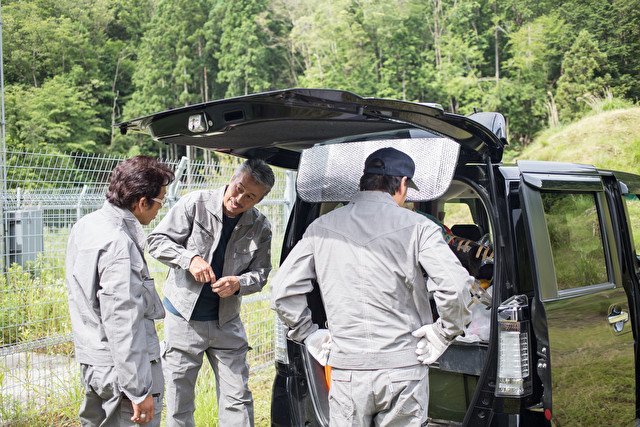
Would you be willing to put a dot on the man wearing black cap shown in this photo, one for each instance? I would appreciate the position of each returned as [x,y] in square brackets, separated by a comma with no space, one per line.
[369,259]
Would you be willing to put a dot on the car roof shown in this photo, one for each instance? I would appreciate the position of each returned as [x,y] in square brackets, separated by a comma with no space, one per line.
[276,126]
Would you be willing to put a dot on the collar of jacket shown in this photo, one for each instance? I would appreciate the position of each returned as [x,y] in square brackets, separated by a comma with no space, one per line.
[131,224]
[374,196]
[214,205]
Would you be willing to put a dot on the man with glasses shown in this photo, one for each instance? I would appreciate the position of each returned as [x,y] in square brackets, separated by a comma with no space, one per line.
[162,201]
[218,246]
[113,301]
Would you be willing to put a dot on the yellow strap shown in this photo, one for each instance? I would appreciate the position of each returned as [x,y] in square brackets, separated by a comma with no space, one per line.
[478,252]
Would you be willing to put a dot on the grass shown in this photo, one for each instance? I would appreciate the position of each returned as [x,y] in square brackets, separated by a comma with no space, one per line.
[609,140]
[207,409]
[34,302]
[55,404]
[60,405]
[33,306]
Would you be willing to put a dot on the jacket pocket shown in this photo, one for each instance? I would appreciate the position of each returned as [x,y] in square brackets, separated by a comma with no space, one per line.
[341,395]
[412,385]
[201,239]
[153,308]
[243,254]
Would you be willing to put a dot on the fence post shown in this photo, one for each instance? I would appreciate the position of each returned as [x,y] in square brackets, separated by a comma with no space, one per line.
[79,204]
[173,188]
[2,226]
[3,222]
[4,152]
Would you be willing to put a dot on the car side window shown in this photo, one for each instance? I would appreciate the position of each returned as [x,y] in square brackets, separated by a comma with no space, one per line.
[633,209]
[576,241]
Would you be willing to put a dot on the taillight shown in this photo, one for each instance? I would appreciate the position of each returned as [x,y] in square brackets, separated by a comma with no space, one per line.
[514,359]
[281,342]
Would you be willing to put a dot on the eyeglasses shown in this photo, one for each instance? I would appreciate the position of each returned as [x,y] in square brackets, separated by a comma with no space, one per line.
[160,201]
[241,189]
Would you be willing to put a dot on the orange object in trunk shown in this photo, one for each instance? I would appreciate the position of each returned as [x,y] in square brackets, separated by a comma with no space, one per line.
[327,376]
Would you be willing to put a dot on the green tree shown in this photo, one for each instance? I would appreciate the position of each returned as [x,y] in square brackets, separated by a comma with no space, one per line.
[368,47]
[463,42]
[170,58]
[55,115]
[38,46]
[535,56]
[393,44]
[615,24]
[584,72]
[317,32]
[248,61]
[124,33]
[119,59]
[77,42]
[171,66]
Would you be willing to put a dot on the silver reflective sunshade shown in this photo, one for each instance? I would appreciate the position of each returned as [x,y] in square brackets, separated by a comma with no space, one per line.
[331,173]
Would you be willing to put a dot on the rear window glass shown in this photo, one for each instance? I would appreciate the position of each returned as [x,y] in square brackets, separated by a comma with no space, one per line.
[576,239]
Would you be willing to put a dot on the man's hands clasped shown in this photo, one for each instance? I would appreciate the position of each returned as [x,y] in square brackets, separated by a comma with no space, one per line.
[202,272]
[226,286]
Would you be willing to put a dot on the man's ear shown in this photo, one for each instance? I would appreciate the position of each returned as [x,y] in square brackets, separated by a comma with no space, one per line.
[143,202]
[138,206]
[401,192]
[403,185]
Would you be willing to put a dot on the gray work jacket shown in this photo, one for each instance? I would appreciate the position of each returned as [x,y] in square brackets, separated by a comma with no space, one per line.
[192,227]
[112,299]
[368,259]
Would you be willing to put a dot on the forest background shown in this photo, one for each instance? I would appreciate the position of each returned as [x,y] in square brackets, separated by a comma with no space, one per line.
[73,68]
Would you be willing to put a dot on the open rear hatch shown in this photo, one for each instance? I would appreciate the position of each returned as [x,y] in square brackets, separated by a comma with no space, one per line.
[276,126]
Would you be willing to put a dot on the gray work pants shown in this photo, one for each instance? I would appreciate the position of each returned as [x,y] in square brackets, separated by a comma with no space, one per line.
[382,397]
[105,405]
[226,348]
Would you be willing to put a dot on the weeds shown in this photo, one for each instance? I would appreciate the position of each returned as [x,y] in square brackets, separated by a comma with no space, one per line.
[33,301]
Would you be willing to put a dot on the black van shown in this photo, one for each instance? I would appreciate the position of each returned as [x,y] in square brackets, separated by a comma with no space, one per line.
[553,246]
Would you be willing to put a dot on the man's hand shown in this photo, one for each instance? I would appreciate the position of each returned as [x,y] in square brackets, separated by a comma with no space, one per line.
[201,270]
[226,286]
[319,345]
[431,346]
[144,411]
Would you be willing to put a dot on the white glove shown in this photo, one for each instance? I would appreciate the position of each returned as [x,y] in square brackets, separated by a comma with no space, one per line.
[431,345]
[319,345]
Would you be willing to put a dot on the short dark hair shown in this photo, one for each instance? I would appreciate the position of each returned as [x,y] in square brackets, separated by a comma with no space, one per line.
[135,178]
[375,182]
[259,171]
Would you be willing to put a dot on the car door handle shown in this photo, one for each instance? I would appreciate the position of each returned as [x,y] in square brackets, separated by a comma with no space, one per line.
[617,318]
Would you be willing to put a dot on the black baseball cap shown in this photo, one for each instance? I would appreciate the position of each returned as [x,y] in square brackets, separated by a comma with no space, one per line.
[394,163]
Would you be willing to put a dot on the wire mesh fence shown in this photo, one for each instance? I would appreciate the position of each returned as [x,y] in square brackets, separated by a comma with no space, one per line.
[43,195]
